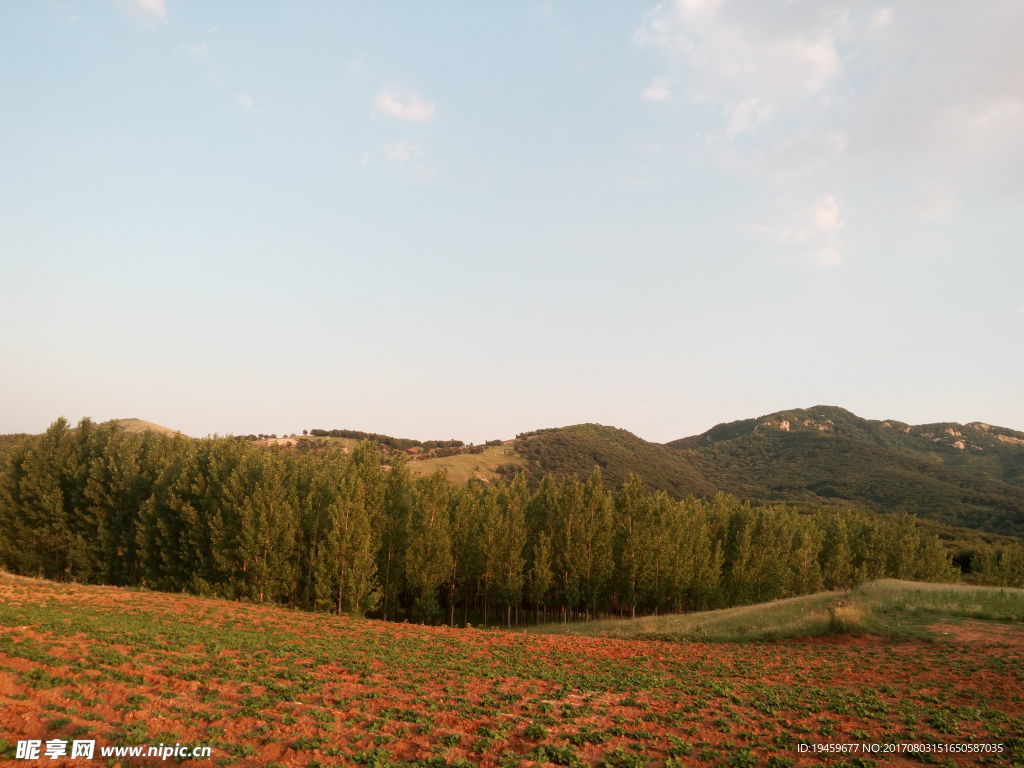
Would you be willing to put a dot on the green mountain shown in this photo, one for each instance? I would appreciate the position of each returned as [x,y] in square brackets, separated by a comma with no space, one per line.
[968,475]
[579,448]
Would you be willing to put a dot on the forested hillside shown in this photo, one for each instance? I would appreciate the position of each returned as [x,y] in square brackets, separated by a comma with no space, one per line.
[578,449]
[963,475]
[342,530]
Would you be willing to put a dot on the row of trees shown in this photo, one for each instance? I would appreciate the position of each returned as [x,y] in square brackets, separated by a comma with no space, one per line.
[347,533]
[396,443]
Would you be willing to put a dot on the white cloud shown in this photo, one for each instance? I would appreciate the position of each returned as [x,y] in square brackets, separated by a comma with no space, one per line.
[730,58]
[957,121]
[409,154]
[401,152]
[826,215]
[658,90]
[245,101]
[152,10]
[699,6]
[746,116]
[403,104]
[882,17]
[809,96]
[812,234]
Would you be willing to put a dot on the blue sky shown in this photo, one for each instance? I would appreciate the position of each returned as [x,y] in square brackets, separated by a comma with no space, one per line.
[473,219]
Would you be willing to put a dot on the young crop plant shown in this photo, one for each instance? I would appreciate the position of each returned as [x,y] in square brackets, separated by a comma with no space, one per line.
[678,747]
[308,743]
[620,758]
[588,736]
[708,754]
[742,758]
[559,755]
[372,758]
[535,732]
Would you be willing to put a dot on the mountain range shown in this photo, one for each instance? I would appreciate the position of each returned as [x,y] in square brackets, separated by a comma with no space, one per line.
[969,475]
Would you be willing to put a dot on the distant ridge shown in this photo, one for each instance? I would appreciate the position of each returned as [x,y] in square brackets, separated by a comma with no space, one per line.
[139,425]
[969,475]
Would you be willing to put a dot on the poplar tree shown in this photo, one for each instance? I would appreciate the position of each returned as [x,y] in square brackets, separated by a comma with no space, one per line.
[597,531]
[540,576]
[353,547]
[392,529]
[570,548]
[509,523]
[466,530]
[428,551]
[635,546]
[836,555]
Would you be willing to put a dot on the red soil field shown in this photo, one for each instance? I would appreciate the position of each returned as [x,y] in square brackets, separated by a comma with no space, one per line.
[272,686]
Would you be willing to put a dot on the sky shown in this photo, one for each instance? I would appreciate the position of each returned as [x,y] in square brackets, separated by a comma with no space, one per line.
[468,220]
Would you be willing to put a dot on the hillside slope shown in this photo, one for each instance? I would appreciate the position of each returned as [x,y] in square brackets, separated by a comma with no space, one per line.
[579,448]
[886,607]
[969,475]
[961,474]
[139,425]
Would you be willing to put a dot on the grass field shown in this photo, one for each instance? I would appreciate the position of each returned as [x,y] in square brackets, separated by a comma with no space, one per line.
[267,686]
[466,466]
[886,607]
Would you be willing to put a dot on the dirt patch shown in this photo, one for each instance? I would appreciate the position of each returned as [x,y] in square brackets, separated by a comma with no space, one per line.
[982,633]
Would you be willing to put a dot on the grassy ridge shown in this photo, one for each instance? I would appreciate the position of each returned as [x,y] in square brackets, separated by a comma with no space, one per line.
[884,607]
[463,467]
[140,425]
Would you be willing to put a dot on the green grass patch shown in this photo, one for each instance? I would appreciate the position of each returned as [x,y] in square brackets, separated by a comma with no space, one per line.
[884,607]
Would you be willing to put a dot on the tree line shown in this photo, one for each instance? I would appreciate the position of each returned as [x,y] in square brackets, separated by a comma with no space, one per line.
[347,532]
[396,443]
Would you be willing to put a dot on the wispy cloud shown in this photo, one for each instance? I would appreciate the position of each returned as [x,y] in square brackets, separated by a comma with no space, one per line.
[245,102]
[812,234]
[746,115]
[658,90]
[882,17]
[740,58]
[403,104]
[813,96]
[149,10]
[410,154]
[401,152]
